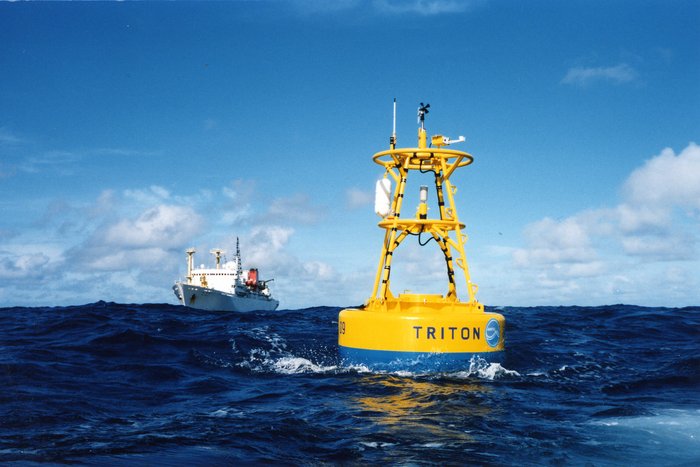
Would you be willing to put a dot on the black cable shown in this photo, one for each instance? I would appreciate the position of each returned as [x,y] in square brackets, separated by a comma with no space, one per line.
[427,241]
[420,169]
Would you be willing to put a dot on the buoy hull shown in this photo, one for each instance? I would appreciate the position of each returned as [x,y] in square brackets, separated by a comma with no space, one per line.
[420,333]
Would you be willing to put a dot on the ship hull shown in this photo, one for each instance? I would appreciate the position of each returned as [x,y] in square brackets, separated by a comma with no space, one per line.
[204,298]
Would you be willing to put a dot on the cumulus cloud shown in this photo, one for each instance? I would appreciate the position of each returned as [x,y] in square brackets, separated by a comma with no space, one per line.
[162,225]
[129,245]
[267,247]
[674,246]
[239,202]
[300,279]
[269,239]
[655,222]
[659,196]
[134,229]
[667,179]
[148,258]
[584,76]
[556,242]
[145,242]
[23,266]
[558,251]
[634,218]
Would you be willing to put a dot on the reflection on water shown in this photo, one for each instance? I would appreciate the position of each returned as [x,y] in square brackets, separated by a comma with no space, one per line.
[428,412]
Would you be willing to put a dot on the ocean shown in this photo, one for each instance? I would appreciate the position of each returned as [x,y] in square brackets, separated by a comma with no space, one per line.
[159,384]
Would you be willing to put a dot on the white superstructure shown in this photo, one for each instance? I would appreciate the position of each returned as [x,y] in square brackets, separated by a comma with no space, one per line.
[225,287]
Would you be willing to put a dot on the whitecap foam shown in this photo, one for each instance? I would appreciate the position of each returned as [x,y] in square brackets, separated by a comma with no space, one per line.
[226,413]
[293,365]
[376,444]
[485,370]
[219,413]
[677,430]
[677,423]
[495,370]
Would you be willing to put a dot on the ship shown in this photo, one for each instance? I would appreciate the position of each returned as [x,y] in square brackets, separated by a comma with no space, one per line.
[225,287]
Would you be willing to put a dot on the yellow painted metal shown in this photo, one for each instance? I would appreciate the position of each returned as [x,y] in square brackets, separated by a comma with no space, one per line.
[442,162]
[419,323]
[423,323]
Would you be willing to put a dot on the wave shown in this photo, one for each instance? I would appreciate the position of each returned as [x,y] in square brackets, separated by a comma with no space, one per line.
[113,383]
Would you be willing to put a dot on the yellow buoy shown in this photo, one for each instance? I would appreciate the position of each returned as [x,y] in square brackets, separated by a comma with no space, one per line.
[421,332]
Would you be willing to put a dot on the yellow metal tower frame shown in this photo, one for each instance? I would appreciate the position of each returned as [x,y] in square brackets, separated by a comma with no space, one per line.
[418,330]
[442,162]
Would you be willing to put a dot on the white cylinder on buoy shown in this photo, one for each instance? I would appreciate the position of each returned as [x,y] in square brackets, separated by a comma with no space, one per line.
[382,197]
[423,193]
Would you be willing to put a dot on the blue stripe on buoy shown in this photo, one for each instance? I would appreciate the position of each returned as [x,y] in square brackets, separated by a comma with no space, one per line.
[415,361]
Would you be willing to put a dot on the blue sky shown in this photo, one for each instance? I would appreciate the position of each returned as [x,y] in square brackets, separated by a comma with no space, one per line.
[131,131]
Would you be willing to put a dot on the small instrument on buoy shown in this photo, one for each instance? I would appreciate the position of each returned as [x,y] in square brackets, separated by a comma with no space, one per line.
[413,331]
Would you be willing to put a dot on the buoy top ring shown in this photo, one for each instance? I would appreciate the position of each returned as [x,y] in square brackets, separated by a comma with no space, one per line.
[417,157]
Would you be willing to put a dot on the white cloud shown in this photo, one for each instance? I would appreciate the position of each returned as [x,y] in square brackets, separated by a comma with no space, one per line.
[271,239]
[584,76]
[23,266]
[633,218]
[319,270]
[129,246]
[647,228]
[240,197]
[667,179]
[119,260]
[556,243]
[300,279]
[672,246]
[163,225]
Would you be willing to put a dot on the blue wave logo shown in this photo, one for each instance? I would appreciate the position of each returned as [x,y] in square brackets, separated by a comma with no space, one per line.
[493,333]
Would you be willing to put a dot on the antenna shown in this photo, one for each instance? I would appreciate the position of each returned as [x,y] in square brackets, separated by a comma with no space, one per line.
[392,140]
[239,267]
[422,111]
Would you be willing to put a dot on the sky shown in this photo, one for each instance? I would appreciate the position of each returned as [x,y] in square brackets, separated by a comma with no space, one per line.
[132,131]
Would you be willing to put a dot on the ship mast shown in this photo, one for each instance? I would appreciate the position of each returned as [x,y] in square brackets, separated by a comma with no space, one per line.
[217,254]
[239,267]
[190,263]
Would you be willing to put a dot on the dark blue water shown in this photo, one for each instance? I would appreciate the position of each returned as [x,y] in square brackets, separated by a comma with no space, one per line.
[159,384]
